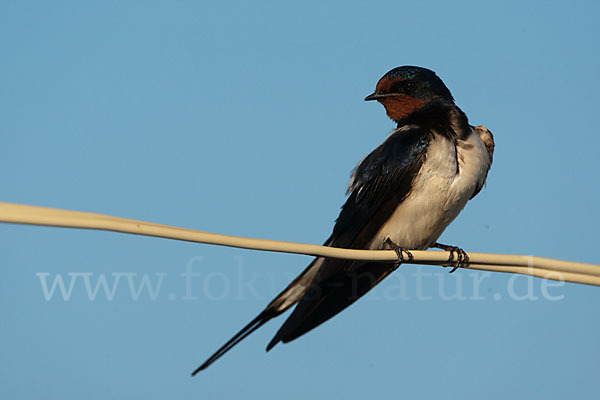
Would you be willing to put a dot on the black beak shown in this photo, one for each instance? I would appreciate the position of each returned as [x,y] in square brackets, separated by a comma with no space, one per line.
[377,96]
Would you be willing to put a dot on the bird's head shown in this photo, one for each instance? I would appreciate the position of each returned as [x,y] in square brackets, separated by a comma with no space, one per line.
[407,89]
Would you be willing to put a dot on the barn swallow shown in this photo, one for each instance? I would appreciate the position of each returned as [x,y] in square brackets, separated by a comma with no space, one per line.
[401,196]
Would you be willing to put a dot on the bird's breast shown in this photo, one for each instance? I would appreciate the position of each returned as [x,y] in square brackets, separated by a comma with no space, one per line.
[445,182]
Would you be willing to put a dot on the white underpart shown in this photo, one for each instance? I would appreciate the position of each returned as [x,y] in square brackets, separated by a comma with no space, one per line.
[440,191]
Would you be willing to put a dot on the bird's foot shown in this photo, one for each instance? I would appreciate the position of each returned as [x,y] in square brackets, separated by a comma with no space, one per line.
[399,252]
[462,259]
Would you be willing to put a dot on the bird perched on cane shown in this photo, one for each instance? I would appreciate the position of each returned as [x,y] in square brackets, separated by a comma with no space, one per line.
[401,196]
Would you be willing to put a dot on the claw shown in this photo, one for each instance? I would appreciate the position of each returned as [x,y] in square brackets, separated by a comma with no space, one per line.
[462,259]
[398,251]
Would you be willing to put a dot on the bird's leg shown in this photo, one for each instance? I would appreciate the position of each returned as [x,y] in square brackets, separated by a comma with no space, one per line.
[398,251]
[462,259]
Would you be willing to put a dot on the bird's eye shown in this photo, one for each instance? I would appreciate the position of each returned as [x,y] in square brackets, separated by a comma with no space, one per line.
[403,87]
[411,85]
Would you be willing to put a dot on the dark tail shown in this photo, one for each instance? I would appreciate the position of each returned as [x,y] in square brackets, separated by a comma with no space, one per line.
[256,323]
[281,303]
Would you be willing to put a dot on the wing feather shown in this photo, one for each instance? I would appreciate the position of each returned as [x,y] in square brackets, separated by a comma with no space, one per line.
[379,184]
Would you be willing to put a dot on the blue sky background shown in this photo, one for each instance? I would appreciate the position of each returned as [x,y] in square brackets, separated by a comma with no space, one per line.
[246,118]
